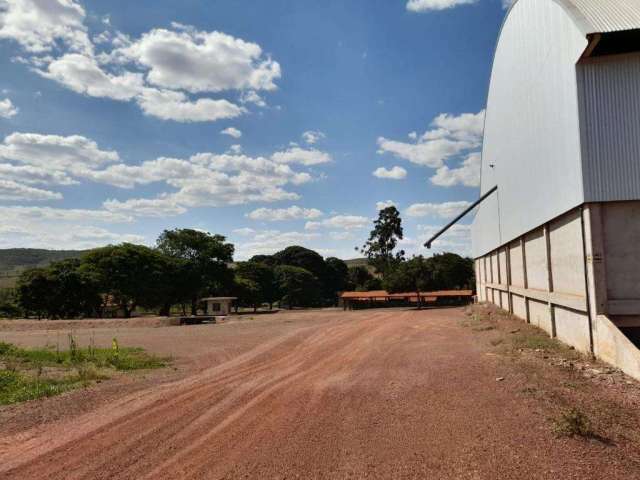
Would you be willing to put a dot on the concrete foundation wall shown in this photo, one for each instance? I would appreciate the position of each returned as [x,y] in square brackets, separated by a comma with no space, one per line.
[581,296]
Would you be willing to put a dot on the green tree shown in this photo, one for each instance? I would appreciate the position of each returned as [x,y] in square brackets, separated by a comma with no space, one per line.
[336,278]
[33,291]
[297,256]
[61,290]
[414,275]
[264,277]
[359,275]
[131,275]
[452,272]
[247,291]
[383,239]
[202,263]
[298,287]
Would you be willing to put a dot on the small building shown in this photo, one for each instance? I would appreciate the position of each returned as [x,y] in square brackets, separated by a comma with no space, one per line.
[557,241]
[218,305]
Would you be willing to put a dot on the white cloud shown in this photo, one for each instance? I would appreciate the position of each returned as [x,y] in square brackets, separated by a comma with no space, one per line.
[395,173]
[449,137]
[270,241]
[40,25]
[20,214]
[506,4]
[34,175]
[245,231]
[82,74]
[468,174]
[11,190]
[7,109]
[312,137]
[145,207]
[198,61]
[457,239]
[282,214]
[251,96]
[431,5]
[340,222]
[385,204]
[232,132]
[172,105]
[442,210]
[161,71]
[302,156]
[53,153]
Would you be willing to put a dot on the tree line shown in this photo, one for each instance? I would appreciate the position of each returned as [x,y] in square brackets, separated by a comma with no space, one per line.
[186,265]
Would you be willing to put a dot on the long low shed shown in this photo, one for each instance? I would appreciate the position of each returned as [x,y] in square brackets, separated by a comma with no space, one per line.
[383,295]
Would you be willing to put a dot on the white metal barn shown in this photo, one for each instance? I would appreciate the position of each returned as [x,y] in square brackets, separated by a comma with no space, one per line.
[558,243]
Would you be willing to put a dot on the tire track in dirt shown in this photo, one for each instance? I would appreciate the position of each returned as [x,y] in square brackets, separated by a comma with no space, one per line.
[192,405]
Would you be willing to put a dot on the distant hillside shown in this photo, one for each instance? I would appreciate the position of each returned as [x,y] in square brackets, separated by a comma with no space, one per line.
[356,262]
[15,260]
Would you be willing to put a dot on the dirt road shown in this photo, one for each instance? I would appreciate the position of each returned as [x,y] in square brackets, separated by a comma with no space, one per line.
[375,394]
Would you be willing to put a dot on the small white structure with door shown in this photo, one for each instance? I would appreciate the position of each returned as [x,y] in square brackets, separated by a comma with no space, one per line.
[218,305]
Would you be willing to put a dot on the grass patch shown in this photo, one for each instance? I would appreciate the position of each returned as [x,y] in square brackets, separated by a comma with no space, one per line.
[31,373]
[573,423]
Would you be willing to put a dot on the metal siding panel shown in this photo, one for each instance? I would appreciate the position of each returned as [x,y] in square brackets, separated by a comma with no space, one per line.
[610,112]
[531,128]
[604,15]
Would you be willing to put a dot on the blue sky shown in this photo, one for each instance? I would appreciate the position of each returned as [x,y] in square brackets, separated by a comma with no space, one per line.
[273,123]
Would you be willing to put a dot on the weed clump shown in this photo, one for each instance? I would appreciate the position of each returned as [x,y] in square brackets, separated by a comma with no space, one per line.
[573,423]
[27,374]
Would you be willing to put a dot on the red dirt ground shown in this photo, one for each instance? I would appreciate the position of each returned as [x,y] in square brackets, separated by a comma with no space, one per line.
[322,394]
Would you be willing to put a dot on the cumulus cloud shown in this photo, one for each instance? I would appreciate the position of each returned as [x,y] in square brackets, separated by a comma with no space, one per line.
[82,74]
[7,109]
[197,61]
[171,105]
[302,156]
[448,138]
[340,222]
[457,239]
[145,207]
[56,154]
[442,210]
[163,71]
[281,214]
[244,232]
[468,174]
[385,204]
[232,132]
[39,26]
[395,173]
[45,227]
[20,214]
[311,137]
[270,241]
[431,5]
[11,190]
[506,4]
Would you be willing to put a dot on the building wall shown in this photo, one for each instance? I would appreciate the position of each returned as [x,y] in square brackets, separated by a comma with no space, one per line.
[531,146]
[609,94]
[543,279]
[581,288]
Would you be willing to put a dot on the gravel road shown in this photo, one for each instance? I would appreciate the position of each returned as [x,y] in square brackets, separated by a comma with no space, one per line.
[373,394]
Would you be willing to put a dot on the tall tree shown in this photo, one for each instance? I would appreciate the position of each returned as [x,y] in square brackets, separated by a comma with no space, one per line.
[383,239]
[336,279]
[132,275]
[203,259]
[263,277]
[414,275]
[298,287]
[452,272]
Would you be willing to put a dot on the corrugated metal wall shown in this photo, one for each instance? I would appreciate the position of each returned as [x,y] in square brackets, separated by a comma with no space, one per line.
[609,90]
[532,134]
